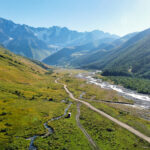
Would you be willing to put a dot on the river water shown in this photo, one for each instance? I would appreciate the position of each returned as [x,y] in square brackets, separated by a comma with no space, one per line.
[49,129]
[140,100]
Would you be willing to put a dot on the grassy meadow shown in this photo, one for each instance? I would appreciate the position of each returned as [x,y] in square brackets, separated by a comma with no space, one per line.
[67,135]
[136,118]
[29,97]
[108,135]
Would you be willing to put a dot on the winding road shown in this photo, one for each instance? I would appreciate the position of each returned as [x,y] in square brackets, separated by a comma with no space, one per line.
[127,127]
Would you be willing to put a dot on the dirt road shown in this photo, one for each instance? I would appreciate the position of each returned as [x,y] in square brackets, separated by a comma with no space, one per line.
[127,127]
[93,144]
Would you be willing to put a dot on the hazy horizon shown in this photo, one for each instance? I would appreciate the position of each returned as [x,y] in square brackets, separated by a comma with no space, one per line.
[116,17]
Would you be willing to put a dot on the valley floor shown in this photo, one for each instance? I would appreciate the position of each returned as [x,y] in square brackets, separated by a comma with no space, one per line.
[29,103]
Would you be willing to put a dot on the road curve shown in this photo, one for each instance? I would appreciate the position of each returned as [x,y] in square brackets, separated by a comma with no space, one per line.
[127,127]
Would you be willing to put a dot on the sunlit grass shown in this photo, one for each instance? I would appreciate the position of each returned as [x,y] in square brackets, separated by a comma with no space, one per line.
[107,134]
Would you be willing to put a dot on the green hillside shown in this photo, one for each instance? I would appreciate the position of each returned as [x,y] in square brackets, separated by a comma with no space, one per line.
[131,58]
[134,59]
[95,59]
[67,56]
[29,97]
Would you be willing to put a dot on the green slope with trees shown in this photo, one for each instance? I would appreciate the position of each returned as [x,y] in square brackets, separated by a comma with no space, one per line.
[132,58]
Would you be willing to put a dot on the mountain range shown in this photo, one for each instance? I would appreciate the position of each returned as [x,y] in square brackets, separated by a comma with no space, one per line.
[131,58]
[38,43]
[65,56]
[80,56]
[128,55]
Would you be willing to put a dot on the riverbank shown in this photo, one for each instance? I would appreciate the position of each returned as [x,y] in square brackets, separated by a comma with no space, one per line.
[110,102]
[140,100]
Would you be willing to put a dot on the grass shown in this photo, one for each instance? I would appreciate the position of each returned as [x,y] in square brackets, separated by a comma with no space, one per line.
[66,136]
[109,135]
[77,86]
[132,116]
[125,114]
[22,119]
[29,97]
[139,85]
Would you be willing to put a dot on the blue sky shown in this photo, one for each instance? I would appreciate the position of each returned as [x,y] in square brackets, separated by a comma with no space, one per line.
[114,16]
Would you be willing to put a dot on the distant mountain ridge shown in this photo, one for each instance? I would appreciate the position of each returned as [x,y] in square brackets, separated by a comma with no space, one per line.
[99,53]
[65,37]
[66,56]
[126,56]
[38,43]
[130,58]
[83,55]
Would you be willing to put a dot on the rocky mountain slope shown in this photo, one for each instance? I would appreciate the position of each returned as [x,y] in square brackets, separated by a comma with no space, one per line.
[38,43]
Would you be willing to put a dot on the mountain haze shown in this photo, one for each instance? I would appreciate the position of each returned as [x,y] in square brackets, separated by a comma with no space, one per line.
[132,57]
[98,53]
[66,56]
[38,43]
[82,55]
